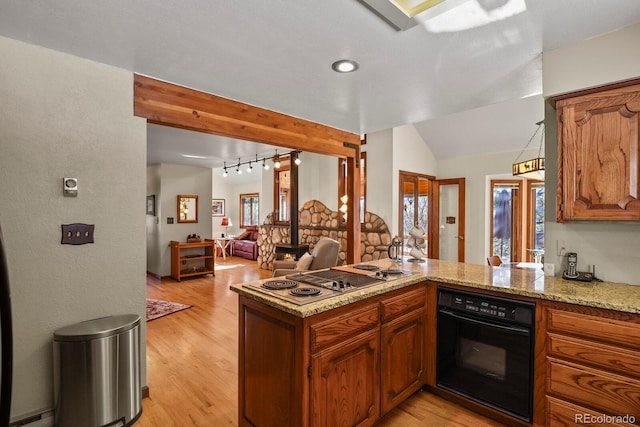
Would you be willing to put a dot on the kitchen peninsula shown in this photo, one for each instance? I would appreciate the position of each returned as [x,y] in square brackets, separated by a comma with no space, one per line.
[350,358]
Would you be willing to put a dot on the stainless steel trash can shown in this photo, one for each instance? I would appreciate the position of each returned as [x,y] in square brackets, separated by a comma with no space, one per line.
[97,372]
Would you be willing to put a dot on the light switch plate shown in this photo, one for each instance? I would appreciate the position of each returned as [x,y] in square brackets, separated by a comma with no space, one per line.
[77,234]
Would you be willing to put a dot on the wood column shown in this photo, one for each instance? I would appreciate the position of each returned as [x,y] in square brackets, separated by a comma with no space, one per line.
[353,213]
[293,208]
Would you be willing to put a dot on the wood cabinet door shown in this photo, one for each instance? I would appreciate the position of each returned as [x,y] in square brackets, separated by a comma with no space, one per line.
[403,358]
[345,388]
[598,165]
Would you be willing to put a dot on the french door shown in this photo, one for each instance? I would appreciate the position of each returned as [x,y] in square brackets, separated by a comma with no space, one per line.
[438,206]
[414,210]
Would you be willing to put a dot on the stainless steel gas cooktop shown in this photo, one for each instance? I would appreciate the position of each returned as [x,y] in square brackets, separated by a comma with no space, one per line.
[305,288]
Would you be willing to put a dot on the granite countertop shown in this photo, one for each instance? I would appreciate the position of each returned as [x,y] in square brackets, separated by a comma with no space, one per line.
[527,282]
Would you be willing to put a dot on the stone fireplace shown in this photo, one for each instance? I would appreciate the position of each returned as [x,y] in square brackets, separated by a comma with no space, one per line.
[315,220]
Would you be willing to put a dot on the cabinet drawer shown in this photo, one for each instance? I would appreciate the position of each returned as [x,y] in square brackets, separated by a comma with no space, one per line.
[608,393]
[341,327]
[564,414]
[600,328]
[401,304]
[604,356]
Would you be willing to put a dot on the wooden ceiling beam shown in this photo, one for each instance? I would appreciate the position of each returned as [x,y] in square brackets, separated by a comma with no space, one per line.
[177,106]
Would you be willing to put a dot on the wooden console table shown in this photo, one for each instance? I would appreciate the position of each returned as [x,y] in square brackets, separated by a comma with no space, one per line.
[192,259]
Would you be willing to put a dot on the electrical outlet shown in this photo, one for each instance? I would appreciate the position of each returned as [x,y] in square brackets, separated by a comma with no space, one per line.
[77,234]
[549,269]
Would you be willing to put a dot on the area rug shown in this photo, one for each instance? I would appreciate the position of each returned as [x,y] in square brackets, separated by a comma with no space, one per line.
[158,308]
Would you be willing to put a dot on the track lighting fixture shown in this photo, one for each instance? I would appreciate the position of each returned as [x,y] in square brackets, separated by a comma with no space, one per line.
[276,161]
[293,156]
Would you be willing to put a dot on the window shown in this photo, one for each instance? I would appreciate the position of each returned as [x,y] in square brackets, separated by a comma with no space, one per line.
[282,190]
[414,204]
[535,220]
[517,221]
[342,184]
[506,220]
[249,209]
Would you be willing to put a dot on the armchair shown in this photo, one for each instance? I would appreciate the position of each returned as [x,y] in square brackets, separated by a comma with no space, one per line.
[324,255]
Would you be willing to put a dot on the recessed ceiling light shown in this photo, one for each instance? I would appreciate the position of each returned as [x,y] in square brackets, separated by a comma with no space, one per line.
[344,66]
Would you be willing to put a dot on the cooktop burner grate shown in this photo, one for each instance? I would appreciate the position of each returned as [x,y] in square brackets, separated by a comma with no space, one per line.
[279,284]
[304,292]
[391,272]
[366,267]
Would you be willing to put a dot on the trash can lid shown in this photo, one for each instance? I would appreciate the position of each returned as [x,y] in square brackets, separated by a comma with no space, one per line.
[97,328]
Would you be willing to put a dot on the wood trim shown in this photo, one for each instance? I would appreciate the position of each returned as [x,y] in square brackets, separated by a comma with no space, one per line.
[353,217]
[516,206]
[177,106]
[555,99]
[462,191]
[414,178]
[240,204]
[531,217]
[540,366]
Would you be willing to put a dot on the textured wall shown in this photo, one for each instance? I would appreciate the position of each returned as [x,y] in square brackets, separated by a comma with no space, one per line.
[65,116]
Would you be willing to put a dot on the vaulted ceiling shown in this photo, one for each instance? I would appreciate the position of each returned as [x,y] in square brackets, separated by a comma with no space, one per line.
[277,54]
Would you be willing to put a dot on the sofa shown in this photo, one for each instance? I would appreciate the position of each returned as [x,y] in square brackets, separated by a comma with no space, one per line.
[246,244]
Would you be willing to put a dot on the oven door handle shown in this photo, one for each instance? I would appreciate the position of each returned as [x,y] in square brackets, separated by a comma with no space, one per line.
[513,329]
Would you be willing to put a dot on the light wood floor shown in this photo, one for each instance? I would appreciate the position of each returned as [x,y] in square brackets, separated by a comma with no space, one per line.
[192,359]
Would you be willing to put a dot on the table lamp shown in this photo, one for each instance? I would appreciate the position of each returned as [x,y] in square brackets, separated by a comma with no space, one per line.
[226,222]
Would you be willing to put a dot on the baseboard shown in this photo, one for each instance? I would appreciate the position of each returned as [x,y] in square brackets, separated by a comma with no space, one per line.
[157,276]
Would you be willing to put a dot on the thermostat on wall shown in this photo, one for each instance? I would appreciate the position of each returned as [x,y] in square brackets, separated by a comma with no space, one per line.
[70,187]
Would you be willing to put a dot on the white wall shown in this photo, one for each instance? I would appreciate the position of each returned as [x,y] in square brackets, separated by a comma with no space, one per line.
[318,179]
[184,180]
[229,188]
[595,62]
[613,247]
[64,116]
[380,176]
[478,170]
[410,154]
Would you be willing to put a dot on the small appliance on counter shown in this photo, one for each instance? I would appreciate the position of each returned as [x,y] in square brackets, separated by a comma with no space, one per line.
[395,249]
[571,272]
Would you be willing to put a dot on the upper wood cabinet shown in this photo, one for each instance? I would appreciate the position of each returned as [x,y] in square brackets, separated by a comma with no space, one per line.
[598,164]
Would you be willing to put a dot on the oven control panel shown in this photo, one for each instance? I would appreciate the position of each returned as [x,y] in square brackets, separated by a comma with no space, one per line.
[500,308]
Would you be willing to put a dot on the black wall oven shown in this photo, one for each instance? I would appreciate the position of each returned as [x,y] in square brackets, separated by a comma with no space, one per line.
[485,350]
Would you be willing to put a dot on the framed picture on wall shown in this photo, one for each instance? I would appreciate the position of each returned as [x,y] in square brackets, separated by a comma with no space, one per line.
[151,205]
[217,207]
